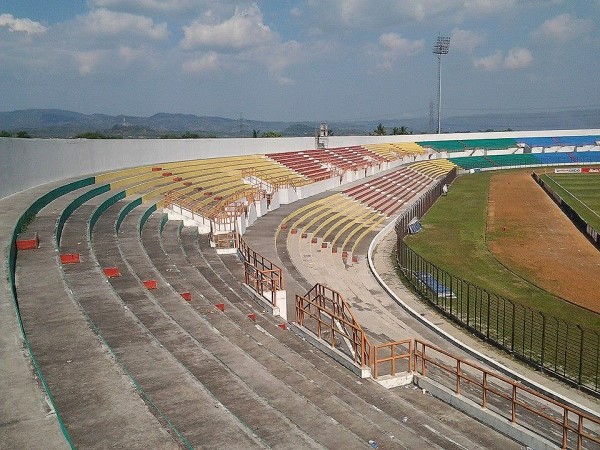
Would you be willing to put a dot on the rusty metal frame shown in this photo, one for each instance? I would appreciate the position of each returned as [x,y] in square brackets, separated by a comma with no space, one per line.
[262,180]
[327,311]
[489,386]
[394,356]
[260,273]
[225,240]
[227,210]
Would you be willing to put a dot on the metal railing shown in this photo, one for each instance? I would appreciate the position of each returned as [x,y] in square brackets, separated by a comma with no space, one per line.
[422,204]
[324,312]
[224,241]
[260,273]
[394,357]
[269,183]
[225,211]
[492,391]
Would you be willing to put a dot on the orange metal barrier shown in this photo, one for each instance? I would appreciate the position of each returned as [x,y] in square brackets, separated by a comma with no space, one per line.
[323,310]
[224,240]
[260,273]
[325,313]
[226,210]
[393,357]
[268,183]
[521,398]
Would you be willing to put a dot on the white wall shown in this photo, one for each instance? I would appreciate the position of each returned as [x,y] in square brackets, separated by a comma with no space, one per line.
[30,162]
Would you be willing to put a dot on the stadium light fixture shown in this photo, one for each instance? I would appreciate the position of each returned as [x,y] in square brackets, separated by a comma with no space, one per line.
[441,47]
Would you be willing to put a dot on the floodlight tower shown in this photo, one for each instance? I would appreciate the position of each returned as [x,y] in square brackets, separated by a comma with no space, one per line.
[440,48]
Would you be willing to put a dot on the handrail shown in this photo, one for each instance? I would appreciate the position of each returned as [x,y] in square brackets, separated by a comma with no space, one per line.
[394,357]
[328,309]
[489,385]
[323,310]
[224,240]
[226,210]
[259,272]
[263,180]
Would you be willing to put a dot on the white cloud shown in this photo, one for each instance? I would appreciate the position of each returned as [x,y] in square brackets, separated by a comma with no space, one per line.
[295,12]
[465,40]
[491,62]
[486,7]
[284,81]
[88,61]
[517,58]
[244,29]
[366,13]
[278,57]
[155,5]
[399,46]
[563,28]
[21,25]
[390,47]
[105,22]
[208,62]
[129,54]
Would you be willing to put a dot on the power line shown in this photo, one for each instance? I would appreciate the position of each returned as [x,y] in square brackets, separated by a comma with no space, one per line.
[538,108]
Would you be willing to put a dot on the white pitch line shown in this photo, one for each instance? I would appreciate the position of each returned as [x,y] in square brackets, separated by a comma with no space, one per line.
[572,195]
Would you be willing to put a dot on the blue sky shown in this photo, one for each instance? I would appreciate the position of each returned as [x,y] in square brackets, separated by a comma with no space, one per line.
[298,60]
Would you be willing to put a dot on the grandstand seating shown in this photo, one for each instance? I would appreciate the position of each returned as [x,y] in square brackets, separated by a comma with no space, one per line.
[59,333]
[344,221]
[132,364]
[553,158]
[470,144]
[433,168]
[319,164]
[560,141]
[103,306]
[392,151]
[527,159]
[304,164]
[586,157]
[513,160]
[472,162]
[388,193]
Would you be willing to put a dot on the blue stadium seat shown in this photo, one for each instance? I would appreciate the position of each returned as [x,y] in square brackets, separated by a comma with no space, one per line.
[553,158]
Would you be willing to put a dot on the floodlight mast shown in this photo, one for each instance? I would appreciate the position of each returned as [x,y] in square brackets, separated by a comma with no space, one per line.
[441,47]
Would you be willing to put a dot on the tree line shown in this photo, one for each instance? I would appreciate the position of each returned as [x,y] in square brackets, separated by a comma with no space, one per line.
[18,134]
[381,131]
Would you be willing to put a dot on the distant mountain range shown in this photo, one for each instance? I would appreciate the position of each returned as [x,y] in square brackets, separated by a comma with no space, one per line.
[55,123]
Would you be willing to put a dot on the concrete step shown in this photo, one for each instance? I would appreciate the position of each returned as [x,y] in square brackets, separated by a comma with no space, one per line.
[220,359]
[167,387]
[319,369]
[280,383]
[96,400]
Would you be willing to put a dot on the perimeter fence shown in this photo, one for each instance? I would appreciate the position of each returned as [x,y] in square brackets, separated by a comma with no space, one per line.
[565,350]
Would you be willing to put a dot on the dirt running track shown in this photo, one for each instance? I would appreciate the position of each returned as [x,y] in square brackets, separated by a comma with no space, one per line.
[530,235]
